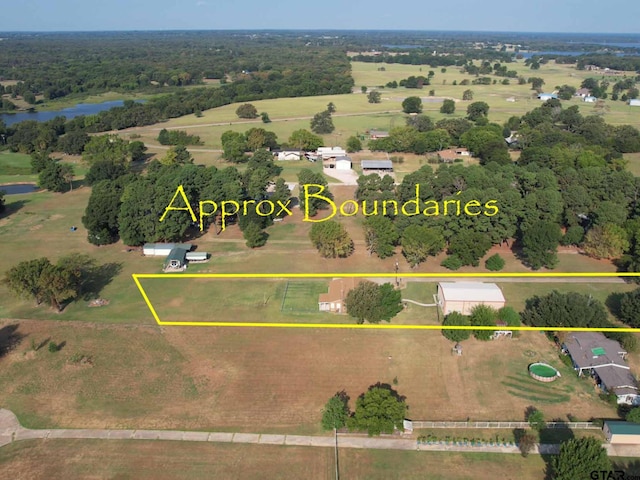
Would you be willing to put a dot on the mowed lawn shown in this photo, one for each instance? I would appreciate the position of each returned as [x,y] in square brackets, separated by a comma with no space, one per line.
[192,460]
[270,379]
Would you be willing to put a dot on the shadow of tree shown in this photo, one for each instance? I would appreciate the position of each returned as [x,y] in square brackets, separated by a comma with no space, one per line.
[10,338]
[12,207]
[98,279]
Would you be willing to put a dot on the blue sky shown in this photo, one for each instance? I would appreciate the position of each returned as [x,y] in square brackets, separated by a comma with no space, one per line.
[597,16]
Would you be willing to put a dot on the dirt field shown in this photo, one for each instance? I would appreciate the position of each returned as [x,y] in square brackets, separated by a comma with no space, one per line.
[271,380]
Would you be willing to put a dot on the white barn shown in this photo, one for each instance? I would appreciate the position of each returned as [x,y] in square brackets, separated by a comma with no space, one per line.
[463,296]
[343,163]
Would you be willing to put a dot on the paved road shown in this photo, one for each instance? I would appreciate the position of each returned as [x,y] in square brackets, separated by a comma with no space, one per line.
[12,431]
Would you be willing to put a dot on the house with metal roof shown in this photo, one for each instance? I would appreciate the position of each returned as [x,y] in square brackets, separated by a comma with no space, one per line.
[463,296]
[605,360]
[622,433]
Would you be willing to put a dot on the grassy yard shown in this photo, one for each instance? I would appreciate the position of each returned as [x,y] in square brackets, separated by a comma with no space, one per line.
[187,461]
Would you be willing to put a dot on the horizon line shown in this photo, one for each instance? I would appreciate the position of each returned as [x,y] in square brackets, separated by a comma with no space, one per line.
[364,29]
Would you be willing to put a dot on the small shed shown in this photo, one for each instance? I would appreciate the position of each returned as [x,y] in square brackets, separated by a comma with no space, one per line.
[463,296]
[547,96]
[177,259]
[622,433]
[343,163]
[634,102]
[590,99]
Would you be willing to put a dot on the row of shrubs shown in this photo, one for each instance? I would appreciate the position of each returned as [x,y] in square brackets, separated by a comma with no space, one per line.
[471,442]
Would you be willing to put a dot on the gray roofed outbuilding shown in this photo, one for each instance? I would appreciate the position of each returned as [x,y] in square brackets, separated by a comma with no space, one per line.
[376,165]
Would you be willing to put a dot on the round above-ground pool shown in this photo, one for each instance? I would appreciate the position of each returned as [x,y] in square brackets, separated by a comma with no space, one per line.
[543,372]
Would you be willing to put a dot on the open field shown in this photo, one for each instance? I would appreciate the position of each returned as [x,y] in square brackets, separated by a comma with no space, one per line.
[38,225]
[355,115]
[270,380]
[178,460]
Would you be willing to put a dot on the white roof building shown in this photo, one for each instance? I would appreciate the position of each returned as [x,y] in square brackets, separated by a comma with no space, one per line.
[463,296]
[331,152]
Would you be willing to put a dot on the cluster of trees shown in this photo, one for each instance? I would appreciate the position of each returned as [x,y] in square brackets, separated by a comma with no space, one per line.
[569,186]
[53,175]
[481,315]
[128,205]
[235,145]
[57,65]
[579,310]
[57,284]
[373,303]
[177,137]
[302,80]
[379,410]
[421,135]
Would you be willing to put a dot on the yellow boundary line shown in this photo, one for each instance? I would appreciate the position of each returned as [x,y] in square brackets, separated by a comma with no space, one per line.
[138,276]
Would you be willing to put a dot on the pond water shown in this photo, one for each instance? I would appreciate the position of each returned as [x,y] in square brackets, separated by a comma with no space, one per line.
[69,113]
[17,188]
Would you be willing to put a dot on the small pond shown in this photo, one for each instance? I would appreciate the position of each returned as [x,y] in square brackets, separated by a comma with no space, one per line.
[17,188]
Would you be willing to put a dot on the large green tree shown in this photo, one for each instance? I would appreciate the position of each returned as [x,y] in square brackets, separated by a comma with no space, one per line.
[373,303]
[484,316]
[247,110]
[312,204]
[565,310]
[379,410]
[305,140]
[335,412]
[448,106]
[419,242]
[540,243]
[477,110]
[458,320]
[331,239]
[470,247]
[101,215]
[630,308]
[55,176]
[608,241]
[578,458]
[322,123]
[380,235]
[412,105]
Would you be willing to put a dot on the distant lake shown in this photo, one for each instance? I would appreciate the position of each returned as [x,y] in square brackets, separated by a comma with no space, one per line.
[69,113]
[17,188]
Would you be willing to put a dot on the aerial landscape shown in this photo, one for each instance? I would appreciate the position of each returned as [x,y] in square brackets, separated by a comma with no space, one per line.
[242,244]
